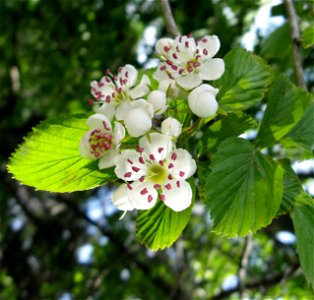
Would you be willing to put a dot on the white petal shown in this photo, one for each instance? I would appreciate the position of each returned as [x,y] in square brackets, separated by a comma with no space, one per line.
[189,81]
[159,100]
[85,146]
[99,121]
[179,196]
[120,198]
[143,195]
[145,105]
[212,69]
[210,43]
[161,44]
[127,72]
[107,109]
[141,89]
[202,101]
[137,122]
[108,159]
[171,126]
[122,109]
[184,165]
[118,133]
[128,166]
[156,144]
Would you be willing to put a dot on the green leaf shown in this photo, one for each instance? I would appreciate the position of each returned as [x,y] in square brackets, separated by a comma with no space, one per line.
[303,220]
[244,190]
[160,227]
[292,187]
[301,137]
[231,125]
[244,82]
[49,158]
[308,36]
[286,104]
[278,44]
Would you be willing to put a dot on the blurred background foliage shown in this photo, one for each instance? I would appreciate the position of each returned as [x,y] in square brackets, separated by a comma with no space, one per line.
[72,246]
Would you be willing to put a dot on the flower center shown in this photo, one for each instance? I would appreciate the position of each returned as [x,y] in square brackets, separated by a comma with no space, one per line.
[99,142]
[157,173]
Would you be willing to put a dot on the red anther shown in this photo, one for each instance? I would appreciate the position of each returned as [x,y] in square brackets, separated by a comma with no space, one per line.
[121,81]
[100,84]
[163,68]
[170,166]
[180,39]
[107,79]
[178,184]
[119,90]
[181,71]
[105,125]
[173,67]
[174,56]
[186,44]
[189,35]
[127,74]
[129,187]
[196,64]
[113,95]
[168,186]
[91,102]
[144,191]
[168,62]
[114,77]
[205,52]
[157,186]
[204,40]
[181,173]
[120,70]
[197,57]
[170,76]
[135,169]
[141,160]
[127,174]
[142,179]
[150,198]
[161,162]
[162,197]
[125,81]
[140,149]
[108,98]
[174,156]
[167,49]
[197,51]
[130,161]
[152,157]
[97,154]
[190,69]
[177,48]
[170,177]
[108,71]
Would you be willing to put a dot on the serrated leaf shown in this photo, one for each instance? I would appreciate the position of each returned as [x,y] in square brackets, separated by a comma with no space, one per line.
[308,36]
[160,227]
[286,104]
[231,125]
[301,137]
[292,187]
[49,158]
[244,190]
[244,82]
[303,220]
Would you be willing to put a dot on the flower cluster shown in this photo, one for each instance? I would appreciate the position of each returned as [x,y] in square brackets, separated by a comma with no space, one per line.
[125,133]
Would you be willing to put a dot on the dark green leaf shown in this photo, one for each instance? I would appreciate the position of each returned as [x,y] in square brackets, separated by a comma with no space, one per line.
[308,36]
[286,104]
[49,158]
[244,190]
[160,227]
[303,220]
[244,82]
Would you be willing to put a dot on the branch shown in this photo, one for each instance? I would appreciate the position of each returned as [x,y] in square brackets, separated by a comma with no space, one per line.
[170,22]
[296,43]
[244,262]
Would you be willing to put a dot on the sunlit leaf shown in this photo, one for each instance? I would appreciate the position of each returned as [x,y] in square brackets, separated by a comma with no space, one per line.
[308,36]
[160,227]
[244,190]
[49,158]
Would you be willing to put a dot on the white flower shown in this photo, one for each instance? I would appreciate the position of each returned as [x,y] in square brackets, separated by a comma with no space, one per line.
[171,127]
[114,90]
[189,61]
[202,101]
[159,101]
[156,171]
[101,141]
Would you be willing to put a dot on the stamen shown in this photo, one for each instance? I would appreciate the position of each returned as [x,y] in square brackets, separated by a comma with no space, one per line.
[204,40]
[144,191]
[168,186]
[160,149]
[129,187]
[127,74]
[141,160]
[130,161]
[162,197]
[174,156]
[189,35]
[170,166]
[91,102]
[108,71]
[173,67]
[100,84]
[135,169]
[181,173]
[177,48]
[157,186]
[152,157]
[167,49]
[174,56]
[105,125]
[161,162]
[205,52]
[178,184]
[142,179]
[140,149]
[170,177]
[181,71]
[127,174]
[107,79]
[150,198]
[163,68]
[120,70]
[187,44]
[107,99]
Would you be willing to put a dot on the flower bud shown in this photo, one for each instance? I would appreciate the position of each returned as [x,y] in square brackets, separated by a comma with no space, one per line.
[158,99]
[171,127]
[202,101]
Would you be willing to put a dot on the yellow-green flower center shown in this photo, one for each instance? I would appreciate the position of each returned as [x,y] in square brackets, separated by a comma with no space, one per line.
[157,173]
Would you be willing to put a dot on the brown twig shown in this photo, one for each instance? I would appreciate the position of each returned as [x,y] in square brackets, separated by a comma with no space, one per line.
[170,22]
[296,43]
